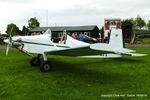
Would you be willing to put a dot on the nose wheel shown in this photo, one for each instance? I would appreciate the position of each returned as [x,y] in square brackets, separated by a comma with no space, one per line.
[35,61]
[45,66]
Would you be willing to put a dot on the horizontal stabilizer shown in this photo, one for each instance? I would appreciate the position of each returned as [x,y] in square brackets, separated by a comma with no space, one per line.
[135,54]
[103,56]
[109,48]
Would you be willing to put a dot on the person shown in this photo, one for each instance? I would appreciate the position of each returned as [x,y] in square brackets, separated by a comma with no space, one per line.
[43,32]
[108,37]
[73,36]
[81,37]
[77,36]
[34,33]
[105,40]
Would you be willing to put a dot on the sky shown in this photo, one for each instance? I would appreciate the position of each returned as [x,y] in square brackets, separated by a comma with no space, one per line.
[70,12]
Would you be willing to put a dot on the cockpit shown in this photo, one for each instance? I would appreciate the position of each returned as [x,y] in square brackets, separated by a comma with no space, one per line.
[59,38]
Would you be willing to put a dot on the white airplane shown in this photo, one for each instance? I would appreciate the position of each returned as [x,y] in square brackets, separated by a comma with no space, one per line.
[46,44]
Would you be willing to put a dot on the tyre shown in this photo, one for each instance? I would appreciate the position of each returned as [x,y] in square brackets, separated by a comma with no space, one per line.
[45,66]
[35,62]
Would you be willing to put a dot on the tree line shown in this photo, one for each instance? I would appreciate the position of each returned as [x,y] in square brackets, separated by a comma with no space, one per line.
[32,23]
[128,25]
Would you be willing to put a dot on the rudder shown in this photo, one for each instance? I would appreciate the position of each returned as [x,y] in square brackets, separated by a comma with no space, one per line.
[116,38]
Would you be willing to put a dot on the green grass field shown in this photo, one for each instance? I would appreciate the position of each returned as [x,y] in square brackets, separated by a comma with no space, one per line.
[74,78]
[143,41]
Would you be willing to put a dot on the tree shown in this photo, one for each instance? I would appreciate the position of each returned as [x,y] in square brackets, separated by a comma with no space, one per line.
[5,35]
[127,28]
[14,28]
[140,22]
[102,32]
[25,30]
[133,22]
[148,24]
[33,23]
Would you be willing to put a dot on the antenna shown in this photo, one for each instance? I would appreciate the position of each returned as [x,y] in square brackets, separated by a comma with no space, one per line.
[47,17]
[55,24]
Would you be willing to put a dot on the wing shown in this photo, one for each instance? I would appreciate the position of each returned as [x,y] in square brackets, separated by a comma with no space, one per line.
[80,51]
[110,55]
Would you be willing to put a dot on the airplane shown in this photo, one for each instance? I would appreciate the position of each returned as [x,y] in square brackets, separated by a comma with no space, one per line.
[47,44]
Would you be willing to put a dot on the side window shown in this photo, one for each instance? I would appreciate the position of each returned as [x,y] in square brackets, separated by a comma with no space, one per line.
[68,33]
[87,33]
[55,37]
[60,34]
[59,37]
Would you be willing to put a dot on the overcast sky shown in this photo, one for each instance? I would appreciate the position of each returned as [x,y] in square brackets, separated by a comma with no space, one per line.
[70,12]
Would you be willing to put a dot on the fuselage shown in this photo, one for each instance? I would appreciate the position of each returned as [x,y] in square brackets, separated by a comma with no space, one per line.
[43,43]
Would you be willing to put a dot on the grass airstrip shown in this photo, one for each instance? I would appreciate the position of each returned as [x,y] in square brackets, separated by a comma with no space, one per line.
[75,78]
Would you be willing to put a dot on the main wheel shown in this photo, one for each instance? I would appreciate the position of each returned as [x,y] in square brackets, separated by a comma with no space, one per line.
[45,66]
[35,62]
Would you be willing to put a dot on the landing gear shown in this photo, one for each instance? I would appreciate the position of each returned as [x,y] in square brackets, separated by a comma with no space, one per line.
[35,61]
[45,66]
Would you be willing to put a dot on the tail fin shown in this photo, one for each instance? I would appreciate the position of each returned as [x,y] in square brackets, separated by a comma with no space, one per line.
[116,38]
[115,45]
[115,42]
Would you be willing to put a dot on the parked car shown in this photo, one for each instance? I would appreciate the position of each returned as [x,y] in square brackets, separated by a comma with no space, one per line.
[148,35]
[141,36]
[90,39]
[1,40]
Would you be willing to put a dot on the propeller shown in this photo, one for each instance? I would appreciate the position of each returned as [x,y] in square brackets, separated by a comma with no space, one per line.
[12,43]
[9,42]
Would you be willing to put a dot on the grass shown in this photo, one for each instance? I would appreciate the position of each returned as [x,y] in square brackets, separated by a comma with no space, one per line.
[146,40]
[143,41]
[3,44]
[74,78]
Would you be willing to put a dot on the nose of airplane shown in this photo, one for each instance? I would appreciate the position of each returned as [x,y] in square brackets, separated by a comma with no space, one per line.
[6,41]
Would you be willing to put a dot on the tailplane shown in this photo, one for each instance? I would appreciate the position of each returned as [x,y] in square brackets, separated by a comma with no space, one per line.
[116,38]
[115,44]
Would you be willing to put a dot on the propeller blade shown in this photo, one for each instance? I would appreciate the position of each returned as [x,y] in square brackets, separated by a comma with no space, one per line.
[10,42]
[10,37]
[11,32]
[8,46]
